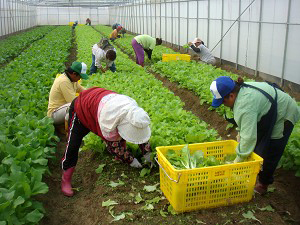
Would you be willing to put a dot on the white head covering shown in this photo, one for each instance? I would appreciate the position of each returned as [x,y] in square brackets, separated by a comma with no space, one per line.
[196,40]
[122,112]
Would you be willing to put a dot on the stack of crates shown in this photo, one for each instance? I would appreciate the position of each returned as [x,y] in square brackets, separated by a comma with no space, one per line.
[207,187]
[174,57]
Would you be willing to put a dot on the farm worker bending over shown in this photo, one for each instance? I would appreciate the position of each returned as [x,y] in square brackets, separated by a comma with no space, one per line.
[75,24]
[115,118]
[103,52]
[122,31]
[143,43]
[115,25]
[205,55]
[265,116]
[88,22]
[115,34]
[64,90]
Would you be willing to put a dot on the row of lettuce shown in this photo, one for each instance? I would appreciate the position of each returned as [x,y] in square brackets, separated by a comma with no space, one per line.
[197,78]
[14,45]
[27,137]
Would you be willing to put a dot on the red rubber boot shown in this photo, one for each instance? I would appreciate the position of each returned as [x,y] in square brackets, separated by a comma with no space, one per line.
[66,180]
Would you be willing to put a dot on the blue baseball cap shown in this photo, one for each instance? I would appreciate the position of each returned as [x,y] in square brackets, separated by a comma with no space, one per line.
[221,87]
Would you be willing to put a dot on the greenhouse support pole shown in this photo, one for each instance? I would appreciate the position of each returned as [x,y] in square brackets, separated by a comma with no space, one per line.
[172,33]
[98,16]
[258,39]
[136,21]
[160,19]
[208,22]
[10,20]
[286,40]
[146,13]
[187,23]
[130,16]
[47,16]
[58,16]
[140,17]
[151,18]
[1,25]
[166,21]
[222,28]
[238,37]
[197,23]
[178,24]
[143,6]
[233,24]
[15,17]
[155,21]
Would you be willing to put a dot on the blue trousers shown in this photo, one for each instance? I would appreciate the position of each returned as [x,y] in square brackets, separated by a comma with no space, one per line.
[93,68]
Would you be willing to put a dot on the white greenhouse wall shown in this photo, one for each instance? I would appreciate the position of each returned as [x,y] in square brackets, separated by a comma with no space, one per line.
[64,15]
[265,39]
[16,16]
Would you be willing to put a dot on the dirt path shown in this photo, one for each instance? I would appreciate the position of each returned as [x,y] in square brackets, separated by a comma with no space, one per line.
[85,207]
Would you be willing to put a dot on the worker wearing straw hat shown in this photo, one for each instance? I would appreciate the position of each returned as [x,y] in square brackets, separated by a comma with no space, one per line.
[204,53]
[115,118]
[265,116]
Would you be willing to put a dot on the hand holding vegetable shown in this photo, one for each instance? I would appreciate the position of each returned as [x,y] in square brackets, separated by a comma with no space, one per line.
[147,158]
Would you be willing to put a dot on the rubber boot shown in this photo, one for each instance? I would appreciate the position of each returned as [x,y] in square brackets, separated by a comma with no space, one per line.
[66,180]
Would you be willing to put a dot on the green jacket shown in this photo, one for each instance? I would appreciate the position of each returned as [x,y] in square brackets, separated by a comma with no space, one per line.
[249,107]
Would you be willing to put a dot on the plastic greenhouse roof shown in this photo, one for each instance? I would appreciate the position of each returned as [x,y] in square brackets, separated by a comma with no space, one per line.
[79,3]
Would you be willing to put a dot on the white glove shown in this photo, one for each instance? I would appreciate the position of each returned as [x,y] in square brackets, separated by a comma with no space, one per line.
[135,163]
[147,157]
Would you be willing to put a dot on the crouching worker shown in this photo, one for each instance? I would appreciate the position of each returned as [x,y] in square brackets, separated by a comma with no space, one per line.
[115,118]
[64,90]
[103,52]
[265,116]
[115,33]
[204,53]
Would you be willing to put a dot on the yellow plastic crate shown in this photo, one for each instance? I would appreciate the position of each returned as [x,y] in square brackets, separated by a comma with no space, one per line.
[174,57]
[71,24]
[208,187]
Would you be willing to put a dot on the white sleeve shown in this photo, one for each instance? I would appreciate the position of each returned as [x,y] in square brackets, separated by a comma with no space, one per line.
[99,56]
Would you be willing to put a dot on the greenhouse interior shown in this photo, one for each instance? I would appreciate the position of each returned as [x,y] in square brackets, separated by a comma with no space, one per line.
[150,112]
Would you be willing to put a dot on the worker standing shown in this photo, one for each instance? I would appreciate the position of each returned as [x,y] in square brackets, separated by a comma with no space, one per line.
[265,116]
